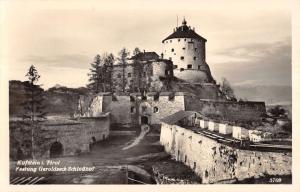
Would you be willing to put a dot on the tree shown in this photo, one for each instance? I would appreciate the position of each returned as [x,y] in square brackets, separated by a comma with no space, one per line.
[109,60]
[96,80]
[136,51]
[226,90]
[34,109]
[123,56]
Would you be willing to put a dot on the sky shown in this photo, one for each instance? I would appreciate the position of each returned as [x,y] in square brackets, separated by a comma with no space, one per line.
[248,42]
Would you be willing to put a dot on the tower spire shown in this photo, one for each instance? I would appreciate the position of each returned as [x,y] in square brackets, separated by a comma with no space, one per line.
[184,21]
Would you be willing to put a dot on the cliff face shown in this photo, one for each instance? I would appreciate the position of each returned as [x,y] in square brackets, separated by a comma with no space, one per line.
[216,162]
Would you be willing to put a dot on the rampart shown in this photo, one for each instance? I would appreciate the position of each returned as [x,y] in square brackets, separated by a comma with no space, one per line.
[216,162]
[242,111]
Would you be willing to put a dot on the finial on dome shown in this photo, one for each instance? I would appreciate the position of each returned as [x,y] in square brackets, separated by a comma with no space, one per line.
[184,21]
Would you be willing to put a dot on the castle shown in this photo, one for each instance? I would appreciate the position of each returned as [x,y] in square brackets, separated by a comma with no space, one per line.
[183,57]
[144,101]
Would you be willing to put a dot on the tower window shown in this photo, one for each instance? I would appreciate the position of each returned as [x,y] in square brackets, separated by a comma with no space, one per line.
[182,57]
[195,58]
[189,66]
[155,109]
[172,50]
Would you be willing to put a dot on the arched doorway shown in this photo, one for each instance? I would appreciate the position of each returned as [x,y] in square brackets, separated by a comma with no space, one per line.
[144,120]
[56,150]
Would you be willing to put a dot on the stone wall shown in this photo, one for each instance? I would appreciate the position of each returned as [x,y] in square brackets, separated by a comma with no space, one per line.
[74,136]
[216,162]
[227,110]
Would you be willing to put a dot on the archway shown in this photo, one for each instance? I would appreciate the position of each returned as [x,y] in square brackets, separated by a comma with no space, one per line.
[56,150]
[144,119]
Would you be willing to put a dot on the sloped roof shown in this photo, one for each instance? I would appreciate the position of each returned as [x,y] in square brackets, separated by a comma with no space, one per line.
[174,118]
[145,56]
[184,32]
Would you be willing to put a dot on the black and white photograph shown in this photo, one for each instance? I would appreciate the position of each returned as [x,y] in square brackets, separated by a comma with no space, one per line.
[140,92]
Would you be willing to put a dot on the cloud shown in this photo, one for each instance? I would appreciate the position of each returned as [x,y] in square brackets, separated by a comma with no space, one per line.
[264,63]
[66,61]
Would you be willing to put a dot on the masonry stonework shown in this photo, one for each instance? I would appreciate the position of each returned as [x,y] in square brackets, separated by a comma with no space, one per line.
[216,162]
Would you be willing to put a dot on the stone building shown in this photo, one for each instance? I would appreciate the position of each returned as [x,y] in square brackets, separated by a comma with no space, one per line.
[142,72]
[186,49]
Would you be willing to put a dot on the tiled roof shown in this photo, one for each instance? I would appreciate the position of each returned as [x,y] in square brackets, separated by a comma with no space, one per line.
[145,56]
[184,32]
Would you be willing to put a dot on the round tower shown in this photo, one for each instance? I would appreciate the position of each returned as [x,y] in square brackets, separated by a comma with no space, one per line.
[186,49]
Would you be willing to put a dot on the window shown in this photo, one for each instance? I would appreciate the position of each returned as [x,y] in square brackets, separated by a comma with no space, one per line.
[195,165]
[170,41]
[132,99]
[175,66]
[155,109]
[183,48]
[132,109]
[185,158]
[182,57]
[172,50]
[170,58]
[144,74]
[178,40]
[199,67]
[144,108]
[195,49]
[129,74]
[119,75]
[184,39]
[189,66]
[144,97]
[195,58]
[181,69]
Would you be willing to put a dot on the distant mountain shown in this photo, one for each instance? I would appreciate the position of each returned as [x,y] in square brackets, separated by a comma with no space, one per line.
[271,94]
[58,99]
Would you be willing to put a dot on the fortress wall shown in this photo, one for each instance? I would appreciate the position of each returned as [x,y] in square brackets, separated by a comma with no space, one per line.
[75,136]
[166,107]
[215,162]
[225,110]
[191,76]
[120,110]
